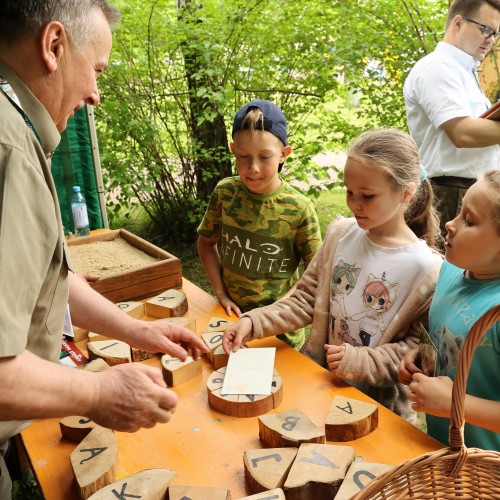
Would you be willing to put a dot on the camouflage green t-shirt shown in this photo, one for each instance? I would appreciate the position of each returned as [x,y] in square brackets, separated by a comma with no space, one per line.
[262,239]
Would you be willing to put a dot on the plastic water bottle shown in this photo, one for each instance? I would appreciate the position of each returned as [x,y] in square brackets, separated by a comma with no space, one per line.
[80,215]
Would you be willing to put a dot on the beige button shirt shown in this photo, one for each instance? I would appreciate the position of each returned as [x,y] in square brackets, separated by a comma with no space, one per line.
[33,269]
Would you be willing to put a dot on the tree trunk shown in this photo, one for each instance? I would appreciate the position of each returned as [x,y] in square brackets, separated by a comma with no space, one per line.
[212,159]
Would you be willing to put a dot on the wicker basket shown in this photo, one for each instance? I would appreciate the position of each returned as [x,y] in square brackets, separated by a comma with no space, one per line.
[454,472]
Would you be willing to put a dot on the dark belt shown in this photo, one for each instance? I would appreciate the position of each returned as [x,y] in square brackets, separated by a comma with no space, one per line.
[449,180]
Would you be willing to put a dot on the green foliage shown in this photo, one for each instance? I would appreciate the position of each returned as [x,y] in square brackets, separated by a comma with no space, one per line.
[26,488]
[379,42]
[177,76]
[330,204]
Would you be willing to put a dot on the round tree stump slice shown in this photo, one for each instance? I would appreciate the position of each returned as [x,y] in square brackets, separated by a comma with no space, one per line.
[176,372]
[350,419]
[318,471]
[266,469]
[76,428]
[358,476]
[288,428]
[95,461]
[274,494]
[149,484]
[220,357]
[242,405]
[185,492]
[114,352]
[96,365]
[167,304]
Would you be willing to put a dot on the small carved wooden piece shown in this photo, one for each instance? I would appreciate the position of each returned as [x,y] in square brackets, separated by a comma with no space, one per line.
[114,352]
[274,494]
[95,461]
[176,372]
[185,492]
[79,334]
[288,428]
[76,428]
[318,471]
[213,341]
[242,405]
[266,469]
[350,419]
[132,308]
[220,357]
[212,336]
[167,304]
[96,365]
[141,354]
[189,323]
[96,337]
[216,324]
[358,476]
[149,484]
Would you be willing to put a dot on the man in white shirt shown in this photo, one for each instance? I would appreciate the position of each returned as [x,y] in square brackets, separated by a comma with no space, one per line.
[444,101]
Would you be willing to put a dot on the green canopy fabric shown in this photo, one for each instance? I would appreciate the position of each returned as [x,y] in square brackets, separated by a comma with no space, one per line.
[73,165]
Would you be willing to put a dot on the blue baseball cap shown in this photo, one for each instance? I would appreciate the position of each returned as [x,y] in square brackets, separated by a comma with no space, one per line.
[274,119]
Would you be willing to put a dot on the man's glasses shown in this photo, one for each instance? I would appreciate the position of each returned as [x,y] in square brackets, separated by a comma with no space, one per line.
[486,31]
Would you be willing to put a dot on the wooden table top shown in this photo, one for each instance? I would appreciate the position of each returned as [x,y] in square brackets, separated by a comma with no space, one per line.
[205,447]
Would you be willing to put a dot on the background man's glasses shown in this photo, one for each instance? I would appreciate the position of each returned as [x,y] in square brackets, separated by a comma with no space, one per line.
[486,31]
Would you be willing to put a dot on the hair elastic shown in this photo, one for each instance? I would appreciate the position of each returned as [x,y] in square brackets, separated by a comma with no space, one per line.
[423,173]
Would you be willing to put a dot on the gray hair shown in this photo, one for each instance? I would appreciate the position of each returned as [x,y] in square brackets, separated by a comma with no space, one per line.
[22,18]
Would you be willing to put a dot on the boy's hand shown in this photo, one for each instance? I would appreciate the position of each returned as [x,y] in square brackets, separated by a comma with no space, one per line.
[236,334]
[334,355]
[229,306]
[408,367]
[431,394]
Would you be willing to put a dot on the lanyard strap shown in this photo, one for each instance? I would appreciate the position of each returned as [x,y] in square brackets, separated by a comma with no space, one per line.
[23,114]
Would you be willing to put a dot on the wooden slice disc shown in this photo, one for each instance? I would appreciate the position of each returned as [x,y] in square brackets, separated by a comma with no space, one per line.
[176,372]
[318,471]
[95,461]
[350,419]
[358,476]
[187,492]
[242,405]
[76,428]
[149,484]
[132,308]
[266,469]
[288,428]
[114,352]
[167,304]
[274,494]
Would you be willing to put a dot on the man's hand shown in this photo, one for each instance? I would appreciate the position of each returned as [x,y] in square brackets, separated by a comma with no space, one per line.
[236,334]
[165,336]
[131,396]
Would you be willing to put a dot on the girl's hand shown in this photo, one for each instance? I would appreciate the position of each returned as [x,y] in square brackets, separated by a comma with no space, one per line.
[408,367]
[334,355]
[431,394]
[236,334]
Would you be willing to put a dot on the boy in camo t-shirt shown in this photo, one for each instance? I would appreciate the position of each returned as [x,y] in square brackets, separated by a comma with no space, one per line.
[257,227]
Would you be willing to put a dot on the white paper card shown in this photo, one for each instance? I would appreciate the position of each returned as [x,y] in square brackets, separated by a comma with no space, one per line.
[249,371]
